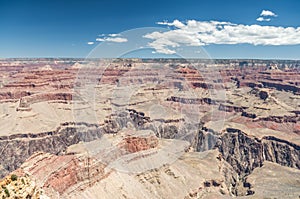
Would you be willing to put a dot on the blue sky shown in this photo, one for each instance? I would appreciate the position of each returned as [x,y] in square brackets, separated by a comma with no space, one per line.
[63,28]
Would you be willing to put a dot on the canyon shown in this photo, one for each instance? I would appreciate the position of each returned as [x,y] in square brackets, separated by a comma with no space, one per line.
[154,128]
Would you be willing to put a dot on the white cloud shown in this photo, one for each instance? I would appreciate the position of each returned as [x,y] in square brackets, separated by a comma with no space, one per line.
[267,13]
[199,33]
[114,35]
[175,23]
[113,39]
[263,19]
[90,43]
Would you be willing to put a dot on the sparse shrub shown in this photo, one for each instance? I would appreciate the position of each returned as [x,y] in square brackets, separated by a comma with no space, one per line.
[14,177]
[22,180]
[6,192]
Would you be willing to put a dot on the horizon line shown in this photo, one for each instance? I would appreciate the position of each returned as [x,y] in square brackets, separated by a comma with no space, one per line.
[149,58]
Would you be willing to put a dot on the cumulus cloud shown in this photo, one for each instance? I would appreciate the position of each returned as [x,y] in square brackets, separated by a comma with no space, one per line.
[200,33]
[175,23]
[267,13]
[263,19]
[90,43]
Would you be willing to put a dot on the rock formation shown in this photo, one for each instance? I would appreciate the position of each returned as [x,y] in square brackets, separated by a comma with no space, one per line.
[149,128]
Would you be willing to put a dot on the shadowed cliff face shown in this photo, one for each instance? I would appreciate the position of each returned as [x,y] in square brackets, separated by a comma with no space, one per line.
[281,152]
[240,151]
[245,153]
[17,148]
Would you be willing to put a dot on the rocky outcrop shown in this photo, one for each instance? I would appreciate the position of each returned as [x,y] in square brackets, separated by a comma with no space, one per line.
[245,153]
[249,115]
[26,101]
[56,175]
[77,173]
[17,148]
[242,152]
[231,108]
[281,86]
[281,152]
[134,144]
[195,100]
[263,95]
[280,119]
[9,95]
[206,140]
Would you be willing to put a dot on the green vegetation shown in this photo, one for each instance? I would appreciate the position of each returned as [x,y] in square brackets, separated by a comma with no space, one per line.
[14,177]
[6,192]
